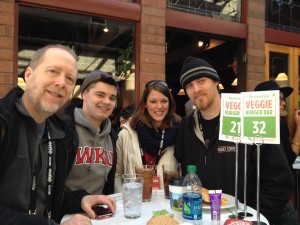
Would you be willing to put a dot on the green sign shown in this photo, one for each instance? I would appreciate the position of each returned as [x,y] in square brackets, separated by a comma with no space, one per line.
[260,117]
[250,117]
[230,118]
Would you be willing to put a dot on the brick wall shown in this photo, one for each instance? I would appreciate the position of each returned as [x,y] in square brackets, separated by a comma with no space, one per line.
[152,36]
[6,45]
[255,43]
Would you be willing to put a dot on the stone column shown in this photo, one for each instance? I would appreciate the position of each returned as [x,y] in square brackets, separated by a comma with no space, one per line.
[255,44]
[7,16]
[152,36]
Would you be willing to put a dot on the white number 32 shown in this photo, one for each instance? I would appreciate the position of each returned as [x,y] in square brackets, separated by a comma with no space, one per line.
[259,127]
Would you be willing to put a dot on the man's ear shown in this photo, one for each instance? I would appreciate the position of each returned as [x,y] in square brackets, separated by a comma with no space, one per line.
[28,74]
[83,95]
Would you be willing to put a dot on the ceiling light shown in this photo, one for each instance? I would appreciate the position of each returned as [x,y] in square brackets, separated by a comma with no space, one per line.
[181,92]
[105,29]
[235,82]
[200,43]
[281,77]
[221,86]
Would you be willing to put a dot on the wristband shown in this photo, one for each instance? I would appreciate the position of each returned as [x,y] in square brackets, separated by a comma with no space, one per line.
[295,143]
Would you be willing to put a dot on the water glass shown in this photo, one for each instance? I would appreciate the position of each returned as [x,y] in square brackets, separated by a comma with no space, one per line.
[147,171]
[132,191]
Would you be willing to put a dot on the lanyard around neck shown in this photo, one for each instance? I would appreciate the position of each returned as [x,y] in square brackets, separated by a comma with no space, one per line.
[49,181]
[160,151]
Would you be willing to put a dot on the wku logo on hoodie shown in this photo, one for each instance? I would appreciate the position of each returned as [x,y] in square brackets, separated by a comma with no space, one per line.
[101,156]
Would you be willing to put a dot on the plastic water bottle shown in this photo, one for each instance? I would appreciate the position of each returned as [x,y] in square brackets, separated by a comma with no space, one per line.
[192,197]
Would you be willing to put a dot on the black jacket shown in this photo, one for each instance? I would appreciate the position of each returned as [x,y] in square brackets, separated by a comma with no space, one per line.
[286,143]
[216,168]
[62,202]
[69,119]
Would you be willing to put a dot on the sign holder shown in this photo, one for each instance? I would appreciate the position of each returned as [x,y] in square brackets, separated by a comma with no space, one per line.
[236,140]
[245,213]
[258,144]
[253,118]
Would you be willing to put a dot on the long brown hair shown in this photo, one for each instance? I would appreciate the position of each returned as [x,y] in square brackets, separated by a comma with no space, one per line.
[141,114]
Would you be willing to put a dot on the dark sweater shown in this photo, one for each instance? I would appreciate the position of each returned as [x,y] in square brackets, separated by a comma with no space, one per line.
[216,169]
[62,202]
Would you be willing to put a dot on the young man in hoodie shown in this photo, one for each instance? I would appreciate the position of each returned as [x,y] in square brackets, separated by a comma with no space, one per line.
[94,165]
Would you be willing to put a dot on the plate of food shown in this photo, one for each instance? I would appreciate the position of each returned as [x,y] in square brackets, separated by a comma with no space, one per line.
[227,201]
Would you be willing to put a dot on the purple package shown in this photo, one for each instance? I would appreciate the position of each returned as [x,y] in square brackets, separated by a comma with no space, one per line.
[215,206]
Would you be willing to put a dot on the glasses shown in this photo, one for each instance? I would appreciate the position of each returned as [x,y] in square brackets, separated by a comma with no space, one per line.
[152,82]
[283,99]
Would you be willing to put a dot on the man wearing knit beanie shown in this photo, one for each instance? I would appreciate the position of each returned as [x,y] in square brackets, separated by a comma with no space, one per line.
[198,144]
[200,82]
[194,68]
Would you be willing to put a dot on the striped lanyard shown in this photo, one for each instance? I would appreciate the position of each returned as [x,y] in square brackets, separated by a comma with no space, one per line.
[49,181]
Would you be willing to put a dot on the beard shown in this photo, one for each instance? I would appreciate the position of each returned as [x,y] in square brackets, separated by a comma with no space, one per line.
[201,104]
[45,107]
[49,109]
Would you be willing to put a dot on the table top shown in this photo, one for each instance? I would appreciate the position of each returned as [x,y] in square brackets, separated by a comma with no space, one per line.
[158,202]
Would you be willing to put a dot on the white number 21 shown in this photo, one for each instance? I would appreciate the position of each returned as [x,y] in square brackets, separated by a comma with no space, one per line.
[235,125]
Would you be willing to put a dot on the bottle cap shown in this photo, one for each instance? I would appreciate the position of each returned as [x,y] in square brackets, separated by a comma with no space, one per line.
[191,168]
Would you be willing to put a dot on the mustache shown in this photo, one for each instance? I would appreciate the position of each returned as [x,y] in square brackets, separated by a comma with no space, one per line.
[60,92]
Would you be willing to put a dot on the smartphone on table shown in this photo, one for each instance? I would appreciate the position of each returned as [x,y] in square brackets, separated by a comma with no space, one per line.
[102,211]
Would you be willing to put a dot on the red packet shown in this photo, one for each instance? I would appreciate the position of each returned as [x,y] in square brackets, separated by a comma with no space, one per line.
[237,222]
[156,183]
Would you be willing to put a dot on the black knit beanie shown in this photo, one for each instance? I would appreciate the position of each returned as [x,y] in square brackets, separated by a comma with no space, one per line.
[194,68]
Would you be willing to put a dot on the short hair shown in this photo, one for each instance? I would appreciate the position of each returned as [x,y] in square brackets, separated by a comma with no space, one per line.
[38,56]
[127,112]
[141,114]
[98,76]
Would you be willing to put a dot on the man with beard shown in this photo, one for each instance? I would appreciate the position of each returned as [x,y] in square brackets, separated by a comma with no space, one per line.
[198,144]
[35,143]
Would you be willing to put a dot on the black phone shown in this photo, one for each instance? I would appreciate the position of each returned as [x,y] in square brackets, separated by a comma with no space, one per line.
[102,211]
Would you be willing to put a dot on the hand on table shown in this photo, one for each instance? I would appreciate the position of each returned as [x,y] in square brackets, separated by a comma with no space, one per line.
[78,220]
[89,201]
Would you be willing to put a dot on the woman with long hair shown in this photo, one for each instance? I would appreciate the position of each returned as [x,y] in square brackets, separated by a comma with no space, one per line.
[149,137]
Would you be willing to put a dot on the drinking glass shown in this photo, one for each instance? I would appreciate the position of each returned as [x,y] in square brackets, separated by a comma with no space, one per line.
[147,171]
[132,191]
[170,170]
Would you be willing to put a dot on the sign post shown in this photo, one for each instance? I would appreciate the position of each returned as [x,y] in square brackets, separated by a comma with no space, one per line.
[230,120]
[250,118]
